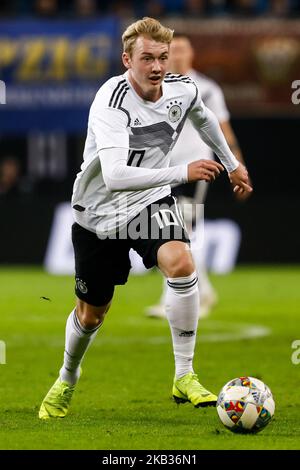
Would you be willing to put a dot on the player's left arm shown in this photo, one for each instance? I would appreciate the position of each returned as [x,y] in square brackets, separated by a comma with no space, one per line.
[215,101]
[210,131]
[233,144]
[232,140]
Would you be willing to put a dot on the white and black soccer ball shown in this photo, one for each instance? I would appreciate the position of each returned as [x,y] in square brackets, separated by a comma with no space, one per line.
[245,405]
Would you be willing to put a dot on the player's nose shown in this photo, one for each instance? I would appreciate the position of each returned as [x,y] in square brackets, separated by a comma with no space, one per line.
[156,66]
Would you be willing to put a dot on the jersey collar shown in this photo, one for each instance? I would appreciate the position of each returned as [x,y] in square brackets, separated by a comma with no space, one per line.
[140,99]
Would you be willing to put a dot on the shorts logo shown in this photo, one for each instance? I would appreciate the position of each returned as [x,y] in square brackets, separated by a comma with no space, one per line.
[81,286]
[175,113]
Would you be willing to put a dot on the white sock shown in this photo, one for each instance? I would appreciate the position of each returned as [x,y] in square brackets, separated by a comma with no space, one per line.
[182,308]
[77,342]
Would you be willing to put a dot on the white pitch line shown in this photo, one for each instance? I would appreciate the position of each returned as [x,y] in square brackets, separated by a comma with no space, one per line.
[245,332]
[208,332]
[233,332]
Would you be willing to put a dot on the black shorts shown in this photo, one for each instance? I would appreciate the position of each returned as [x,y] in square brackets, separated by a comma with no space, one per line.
[186,189]
[100,264]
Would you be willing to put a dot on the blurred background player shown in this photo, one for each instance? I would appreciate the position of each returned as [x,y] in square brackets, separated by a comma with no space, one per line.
[191,147]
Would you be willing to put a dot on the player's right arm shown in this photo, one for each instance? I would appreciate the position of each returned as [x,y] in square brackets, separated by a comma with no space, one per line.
[118,176]
[206,170]
[112,139]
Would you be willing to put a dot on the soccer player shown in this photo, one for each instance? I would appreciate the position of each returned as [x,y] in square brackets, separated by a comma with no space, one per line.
[189,147]
[124,187]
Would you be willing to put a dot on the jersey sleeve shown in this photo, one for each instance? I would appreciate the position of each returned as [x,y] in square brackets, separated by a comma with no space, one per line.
[197,105]
[118,176]
[109,126]
[206,123]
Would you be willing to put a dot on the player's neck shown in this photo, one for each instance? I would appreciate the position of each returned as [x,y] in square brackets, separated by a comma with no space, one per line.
[150,95]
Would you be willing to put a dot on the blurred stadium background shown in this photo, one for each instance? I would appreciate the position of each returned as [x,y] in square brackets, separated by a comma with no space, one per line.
[55,54]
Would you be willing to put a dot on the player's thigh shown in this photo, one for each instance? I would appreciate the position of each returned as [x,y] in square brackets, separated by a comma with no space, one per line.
[99,266]
[161,224]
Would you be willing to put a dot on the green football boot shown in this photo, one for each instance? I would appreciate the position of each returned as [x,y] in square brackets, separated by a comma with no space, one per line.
[57,401]
[188,388]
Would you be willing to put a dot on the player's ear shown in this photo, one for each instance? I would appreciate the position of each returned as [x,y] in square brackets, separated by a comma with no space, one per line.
[126,60]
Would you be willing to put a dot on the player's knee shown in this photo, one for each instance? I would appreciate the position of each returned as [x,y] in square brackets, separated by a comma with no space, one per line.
[175,259]
[90,316]
[90,320]
[181,266]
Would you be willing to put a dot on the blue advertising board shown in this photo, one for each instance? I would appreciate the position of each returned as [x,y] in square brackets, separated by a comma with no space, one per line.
[53,69]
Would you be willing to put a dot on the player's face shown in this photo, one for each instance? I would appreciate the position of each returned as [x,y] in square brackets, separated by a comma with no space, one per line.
[181,56]
[147,66]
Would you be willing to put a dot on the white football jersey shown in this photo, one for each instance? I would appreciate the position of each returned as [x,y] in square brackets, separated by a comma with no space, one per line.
[190,146]
[119,117]
[147,131]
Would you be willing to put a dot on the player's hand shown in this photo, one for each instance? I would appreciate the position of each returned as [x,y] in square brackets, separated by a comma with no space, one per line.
[243,196]
[206,170]
[240,181]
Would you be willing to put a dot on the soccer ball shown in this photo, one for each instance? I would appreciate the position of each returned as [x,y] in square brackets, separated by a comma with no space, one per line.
[245,405]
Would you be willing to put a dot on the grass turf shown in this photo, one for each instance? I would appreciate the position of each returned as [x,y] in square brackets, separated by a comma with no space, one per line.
[123,398]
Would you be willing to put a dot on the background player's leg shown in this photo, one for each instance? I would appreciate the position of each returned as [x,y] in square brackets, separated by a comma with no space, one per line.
[207,294]
[195,215]
[159,310]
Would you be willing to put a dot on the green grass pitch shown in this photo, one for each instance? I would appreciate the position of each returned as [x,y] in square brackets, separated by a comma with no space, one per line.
[123,398]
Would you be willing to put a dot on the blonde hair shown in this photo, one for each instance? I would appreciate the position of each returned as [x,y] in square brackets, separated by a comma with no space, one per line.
[147,27]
